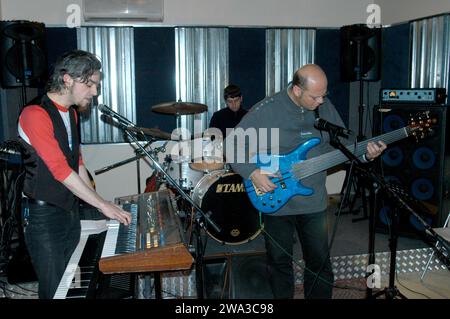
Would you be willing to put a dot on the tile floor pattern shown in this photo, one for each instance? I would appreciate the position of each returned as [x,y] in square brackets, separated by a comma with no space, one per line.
[349,272]
[355,266]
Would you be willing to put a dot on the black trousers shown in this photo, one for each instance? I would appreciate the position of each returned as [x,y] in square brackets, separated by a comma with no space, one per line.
[313,235]
[51,236]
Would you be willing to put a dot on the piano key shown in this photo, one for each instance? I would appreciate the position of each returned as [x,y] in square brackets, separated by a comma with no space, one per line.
[71,268]
[167,249]
[109,246]
[82,266]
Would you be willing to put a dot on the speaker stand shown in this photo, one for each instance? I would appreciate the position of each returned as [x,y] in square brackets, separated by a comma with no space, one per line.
[354,179]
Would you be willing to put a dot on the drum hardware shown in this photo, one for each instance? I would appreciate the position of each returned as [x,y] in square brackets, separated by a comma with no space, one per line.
[206,165]
[160,149]
[188,173]
[136,158]
[180,172]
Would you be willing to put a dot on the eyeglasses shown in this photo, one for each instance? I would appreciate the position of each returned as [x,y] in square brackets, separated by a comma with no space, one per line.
[316,98]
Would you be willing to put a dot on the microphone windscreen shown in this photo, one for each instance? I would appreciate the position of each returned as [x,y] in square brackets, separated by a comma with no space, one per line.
[102,107]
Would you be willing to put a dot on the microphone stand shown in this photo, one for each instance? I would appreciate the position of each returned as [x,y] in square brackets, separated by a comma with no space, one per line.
[356,164]
[123,125]
[392,193]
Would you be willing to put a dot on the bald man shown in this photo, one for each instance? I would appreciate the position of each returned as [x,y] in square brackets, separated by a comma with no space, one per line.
[293,112]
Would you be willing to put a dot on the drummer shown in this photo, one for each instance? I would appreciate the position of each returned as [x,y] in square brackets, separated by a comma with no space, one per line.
[230,116]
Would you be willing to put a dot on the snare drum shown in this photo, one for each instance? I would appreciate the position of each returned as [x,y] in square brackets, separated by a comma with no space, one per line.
[222,195]
[207,155]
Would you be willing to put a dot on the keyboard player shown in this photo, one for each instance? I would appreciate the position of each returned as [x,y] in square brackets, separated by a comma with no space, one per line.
[55,177]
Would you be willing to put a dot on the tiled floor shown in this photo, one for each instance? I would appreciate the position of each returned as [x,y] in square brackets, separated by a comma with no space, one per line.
[349,259]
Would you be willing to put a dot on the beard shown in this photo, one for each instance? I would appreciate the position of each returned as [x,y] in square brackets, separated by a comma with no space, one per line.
[84,106]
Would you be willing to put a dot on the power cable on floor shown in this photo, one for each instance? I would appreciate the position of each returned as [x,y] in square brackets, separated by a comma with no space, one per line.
[411,290]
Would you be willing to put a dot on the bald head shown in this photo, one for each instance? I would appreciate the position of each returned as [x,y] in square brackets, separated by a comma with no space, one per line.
[309,86]
[310,74]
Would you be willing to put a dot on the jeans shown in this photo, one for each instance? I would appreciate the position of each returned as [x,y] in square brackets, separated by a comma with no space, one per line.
[313,234]
[51,236]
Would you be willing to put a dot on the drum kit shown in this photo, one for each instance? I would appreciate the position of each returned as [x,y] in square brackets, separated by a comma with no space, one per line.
[211,183]
[208,195]
[208,183]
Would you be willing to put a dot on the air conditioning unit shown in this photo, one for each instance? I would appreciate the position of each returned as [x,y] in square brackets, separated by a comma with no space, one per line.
[149,10]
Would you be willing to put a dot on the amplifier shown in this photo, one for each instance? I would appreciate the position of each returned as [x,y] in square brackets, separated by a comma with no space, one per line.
[422,96]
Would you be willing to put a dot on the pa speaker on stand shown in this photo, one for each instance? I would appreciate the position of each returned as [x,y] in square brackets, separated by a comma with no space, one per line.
[23,54]
[360,53]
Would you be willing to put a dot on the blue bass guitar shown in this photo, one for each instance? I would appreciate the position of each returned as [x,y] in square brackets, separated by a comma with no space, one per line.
[294,166]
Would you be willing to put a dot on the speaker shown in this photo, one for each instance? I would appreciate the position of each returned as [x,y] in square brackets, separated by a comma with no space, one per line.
[360,53]
[420,167]
[23,54]
[241,276]
[250,279]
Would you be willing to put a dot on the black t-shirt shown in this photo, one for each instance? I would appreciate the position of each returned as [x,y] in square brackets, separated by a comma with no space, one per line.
[226,118]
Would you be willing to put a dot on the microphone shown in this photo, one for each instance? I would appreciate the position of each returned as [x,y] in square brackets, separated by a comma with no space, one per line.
[109,112]
[323,125]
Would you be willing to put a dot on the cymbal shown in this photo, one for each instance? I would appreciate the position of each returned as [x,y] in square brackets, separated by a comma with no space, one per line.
[155,132]
[179,108]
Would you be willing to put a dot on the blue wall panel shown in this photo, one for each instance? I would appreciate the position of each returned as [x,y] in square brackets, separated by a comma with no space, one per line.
[155,75]
[328,56]
[59,41]
[395,62]
[247,59]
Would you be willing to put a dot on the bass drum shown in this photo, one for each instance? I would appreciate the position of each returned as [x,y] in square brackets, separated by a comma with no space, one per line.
[221,194]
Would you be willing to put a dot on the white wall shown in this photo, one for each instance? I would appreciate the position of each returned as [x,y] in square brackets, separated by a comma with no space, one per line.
[395,11]
[315,13]
[119,181]
[122,180]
